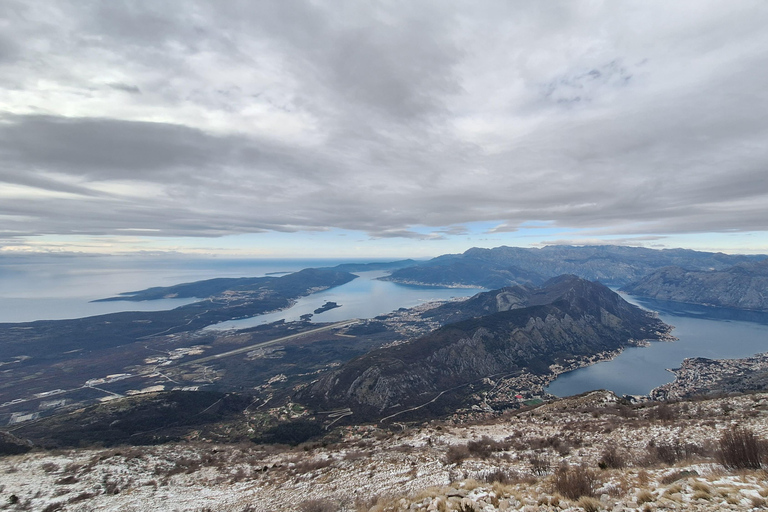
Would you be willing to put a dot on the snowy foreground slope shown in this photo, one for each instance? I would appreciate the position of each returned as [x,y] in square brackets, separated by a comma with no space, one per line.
[648,457]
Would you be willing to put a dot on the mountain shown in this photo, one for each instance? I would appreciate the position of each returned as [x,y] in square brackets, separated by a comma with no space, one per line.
[743,286]
[524,330]
[368,267]
[504,266]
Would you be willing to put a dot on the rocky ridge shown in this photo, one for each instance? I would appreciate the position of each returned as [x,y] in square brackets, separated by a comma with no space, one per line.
[743,286]
[526,332]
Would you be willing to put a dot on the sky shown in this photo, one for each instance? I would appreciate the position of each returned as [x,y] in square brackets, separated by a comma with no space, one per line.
[334,128]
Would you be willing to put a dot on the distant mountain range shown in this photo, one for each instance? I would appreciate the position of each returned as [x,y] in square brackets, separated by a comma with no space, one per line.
[505,266]
[743,286]
[520,329]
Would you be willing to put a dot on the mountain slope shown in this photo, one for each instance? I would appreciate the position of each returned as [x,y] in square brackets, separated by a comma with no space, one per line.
[568,317]
[504,266]
[743,286]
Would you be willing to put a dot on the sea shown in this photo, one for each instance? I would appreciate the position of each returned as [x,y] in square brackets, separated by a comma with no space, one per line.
[52,287]
[55,287]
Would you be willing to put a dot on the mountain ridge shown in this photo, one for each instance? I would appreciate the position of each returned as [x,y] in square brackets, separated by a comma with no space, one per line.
[742,286]
[504,266]
[570,317]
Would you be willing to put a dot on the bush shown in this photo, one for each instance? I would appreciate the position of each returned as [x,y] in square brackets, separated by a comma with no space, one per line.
[306,466]
[611,458]
[486,446]
[668,453]
[677,475]
[575,482]
[501,476]
[663,412]
[739,448]
[539,464]
[671,452]
[456,454]
[317,506]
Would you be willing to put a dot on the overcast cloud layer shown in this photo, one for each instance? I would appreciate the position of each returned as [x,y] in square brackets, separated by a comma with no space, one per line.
[190,118]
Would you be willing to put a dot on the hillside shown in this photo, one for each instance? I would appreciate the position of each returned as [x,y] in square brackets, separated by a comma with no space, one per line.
[505,266]
[525,333]
[743,286]
[629,457]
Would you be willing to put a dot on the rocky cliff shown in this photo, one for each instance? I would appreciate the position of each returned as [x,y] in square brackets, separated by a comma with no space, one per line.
[523,329]
[743,286]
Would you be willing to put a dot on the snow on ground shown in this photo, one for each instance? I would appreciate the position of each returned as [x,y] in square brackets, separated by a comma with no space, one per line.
[655,457]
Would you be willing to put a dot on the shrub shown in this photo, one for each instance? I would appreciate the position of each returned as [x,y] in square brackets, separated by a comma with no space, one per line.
[671,452]
[83,496]
[668,453]
[456,454]
[575,482]
[677,475]
[317,506]
[539,464]
[663,412]
[306,466]
[739,448]
[67,480]
[49,467]
[611,458]
[486,446]
[501,476]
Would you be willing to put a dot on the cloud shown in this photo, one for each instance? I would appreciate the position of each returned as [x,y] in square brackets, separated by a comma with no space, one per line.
[626,241]
[131,89]
[203,119]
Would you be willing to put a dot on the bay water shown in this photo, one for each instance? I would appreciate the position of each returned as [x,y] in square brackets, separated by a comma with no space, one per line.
[713,333]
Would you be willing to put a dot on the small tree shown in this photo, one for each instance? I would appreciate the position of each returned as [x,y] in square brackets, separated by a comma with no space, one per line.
[739,448]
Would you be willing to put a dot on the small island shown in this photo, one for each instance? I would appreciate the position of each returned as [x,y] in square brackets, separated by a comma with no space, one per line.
[325,307]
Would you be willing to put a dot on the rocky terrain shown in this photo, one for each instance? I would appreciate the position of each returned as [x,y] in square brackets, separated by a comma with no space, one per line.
[586,453]
[505,266]
[525,333]
[743,286]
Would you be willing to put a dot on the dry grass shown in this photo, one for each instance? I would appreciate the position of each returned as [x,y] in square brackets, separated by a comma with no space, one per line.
[644,496]
[589,504]
[701,487]
[701,495]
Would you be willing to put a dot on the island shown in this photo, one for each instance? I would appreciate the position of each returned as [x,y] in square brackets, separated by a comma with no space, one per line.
[327,306]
